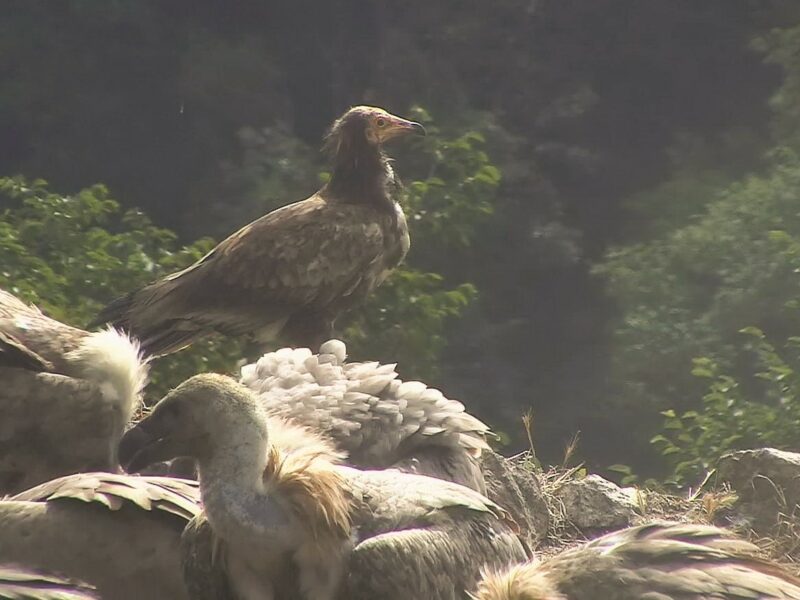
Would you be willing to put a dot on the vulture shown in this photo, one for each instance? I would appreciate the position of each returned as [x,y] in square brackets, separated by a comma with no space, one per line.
[378,420]
[66,397]
[118,533]
[285,520]
[18,583]
[659,561]
[294,270]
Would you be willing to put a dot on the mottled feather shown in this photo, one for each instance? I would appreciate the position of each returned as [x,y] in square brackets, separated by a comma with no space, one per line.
[118,533]
[653,562]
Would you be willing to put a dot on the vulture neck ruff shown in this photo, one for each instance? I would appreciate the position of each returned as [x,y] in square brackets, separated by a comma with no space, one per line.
[361,171]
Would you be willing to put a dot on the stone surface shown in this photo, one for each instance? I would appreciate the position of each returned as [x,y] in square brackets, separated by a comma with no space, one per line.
[514,485]
[767,482]
[595,504]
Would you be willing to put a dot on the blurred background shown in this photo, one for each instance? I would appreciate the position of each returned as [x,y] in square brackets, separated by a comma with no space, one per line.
[605,217]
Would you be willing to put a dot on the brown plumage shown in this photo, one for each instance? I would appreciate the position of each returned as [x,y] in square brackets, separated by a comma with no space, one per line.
[18,583]
[294,270]
[649,562]
[119,533]
[66,396]
[285,520]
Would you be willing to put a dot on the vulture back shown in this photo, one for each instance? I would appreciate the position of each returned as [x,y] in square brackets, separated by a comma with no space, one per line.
[378,419]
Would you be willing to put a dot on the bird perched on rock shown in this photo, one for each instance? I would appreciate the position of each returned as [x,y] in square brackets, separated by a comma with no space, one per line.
[66,397]
[294,270]
[649,562]
[372,415]
[291,523]
[118,533]
[17,583]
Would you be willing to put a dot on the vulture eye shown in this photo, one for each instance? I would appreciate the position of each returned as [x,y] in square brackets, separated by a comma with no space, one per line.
[380,122]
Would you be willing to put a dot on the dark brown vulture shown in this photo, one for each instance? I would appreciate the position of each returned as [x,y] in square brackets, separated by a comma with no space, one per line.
[294,270]
[118,533]
[649,562]
[379,420]
[284,520]
[65,398]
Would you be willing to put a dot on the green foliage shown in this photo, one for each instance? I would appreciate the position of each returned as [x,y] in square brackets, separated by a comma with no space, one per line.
[734,414]
[688,293]
[71,254]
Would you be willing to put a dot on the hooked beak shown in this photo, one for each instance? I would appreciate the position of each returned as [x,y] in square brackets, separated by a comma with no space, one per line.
[140,448]
[397,126]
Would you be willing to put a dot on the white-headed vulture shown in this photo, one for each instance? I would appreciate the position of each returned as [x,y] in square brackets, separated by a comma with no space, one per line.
[660,561]
[294,270]
[283,519]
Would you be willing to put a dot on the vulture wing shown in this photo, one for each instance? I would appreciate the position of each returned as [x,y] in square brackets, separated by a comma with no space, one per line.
[119,533]
[313,255]
[51,425]
[378,419]
[66,395]
[671,561]
[425,541]
[25,330]
[15,354]
[17,583]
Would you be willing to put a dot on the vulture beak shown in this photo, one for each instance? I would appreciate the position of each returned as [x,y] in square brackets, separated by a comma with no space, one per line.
[397,126]
[143,445]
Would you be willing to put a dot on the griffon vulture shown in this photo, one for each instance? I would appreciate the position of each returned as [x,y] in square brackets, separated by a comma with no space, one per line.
[376,418]
[649,562]
[294,270]
[65,398]
[294,524]
[119,533]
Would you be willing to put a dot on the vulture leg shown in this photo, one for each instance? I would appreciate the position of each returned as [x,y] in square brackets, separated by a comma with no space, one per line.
[435,563]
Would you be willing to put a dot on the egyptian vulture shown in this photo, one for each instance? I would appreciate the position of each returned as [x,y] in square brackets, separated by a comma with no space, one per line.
[118,533]
[292,523]
[18,583]
[294,270]
[66,397]
[649,562]
[378,420]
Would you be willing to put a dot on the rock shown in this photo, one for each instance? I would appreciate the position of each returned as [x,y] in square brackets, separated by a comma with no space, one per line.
[595,504]
[514,485]
[767,482]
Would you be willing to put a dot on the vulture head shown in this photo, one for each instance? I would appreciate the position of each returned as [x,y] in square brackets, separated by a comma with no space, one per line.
[195,419]
[368,125]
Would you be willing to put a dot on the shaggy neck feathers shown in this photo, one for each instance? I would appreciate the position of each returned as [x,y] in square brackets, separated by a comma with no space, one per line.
[249,484]
[361,171]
